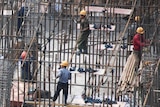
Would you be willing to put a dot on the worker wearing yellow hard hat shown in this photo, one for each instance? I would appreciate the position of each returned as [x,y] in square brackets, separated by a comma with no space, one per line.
[138,43]
[64,63]
[82,41]
[140,30]
[137,18]
[83,12]
[63,75]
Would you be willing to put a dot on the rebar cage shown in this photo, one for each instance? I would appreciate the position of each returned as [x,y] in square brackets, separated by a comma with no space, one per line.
[48,31]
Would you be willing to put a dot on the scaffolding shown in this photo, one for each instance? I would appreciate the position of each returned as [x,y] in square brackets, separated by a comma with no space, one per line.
[48,30]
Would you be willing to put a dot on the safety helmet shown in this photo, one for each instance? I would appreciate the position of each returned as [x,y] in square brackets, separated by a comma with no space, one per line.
[64,63]
[140,30]
[23,54]
[137,18]
[83,12]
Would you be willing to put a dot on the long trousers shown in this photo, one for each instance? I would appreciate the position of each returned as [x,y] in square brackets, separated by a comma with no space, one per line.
[83,40]
[138,58]
[64,87]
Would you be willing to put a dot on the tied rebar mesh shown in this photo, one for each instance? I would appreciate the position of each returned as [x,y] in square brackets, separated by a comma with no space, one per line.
[6,73]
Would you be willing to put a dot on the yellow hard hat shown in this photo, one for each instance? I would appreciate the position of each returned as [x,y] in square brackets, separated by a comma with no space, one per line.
[64,63]
[83,12]
[137,18]
[140,30]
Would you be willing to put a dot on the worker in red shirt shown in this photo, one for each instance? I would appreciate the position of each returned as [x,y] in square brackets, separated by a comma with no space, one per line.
[138,43]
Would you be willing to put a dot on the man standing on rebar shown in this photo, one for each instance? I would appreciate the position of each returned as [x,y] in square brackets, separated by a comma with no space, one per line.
[138,43]
[26,74]
[82,41]
[63,75]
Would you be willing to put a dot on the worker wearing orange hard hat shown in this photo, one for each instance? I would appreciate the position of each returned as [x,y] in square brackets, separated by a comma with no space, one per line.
[84,33]
[63,75]
[26,74]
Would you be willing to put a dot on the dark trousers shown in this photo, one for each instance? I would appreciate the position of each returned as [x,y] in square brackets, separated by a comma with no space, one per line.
[61,86]
[138,58]
[83,40]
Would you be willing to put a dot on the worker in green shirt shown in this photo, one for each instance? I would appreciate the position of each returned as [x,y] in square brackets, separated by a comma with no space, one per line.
[82,41]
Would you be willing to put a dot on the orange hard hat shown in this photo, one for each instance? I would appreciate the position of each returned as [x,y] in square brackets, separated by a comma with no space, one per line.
[23,54]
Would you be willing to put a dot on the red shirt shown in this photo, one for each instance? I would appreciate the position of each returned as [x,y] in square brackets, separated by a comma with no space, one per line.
[138,42]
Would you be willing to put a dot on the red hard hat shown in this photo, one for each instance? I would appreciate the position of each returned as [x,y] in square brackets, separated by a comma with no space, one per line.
[23,54]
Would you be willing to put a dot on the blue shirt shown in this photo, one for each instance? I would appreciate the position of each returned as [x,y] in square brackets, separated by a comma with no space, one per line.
[64,75]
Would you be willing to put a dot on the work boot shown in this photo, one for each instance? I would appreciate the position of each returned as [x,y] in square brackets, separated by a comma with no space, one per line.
[65,104]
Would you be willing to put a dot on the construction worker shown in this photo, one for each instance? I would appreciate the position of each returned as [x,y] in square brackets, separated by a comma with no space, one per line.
[23,55]
[63,75]
[84,33]
[137,18]
[138,43]
[26,74]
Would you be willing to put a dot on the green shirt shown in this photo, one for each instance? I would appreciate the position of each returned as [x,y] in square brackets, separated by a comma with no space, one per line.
[84,24]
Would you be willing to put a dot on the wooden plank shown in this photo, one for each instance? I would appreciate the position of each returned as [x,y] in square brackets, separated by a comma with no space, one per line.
[92,27]
[132,74]
[129,71]
[7,12]
[123,75]
[157,91]
[42,103]
[94,8]
[44,7]
[99,72]
[132,63]
[119,11]
[55,104]
[109,10]
[77,102]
